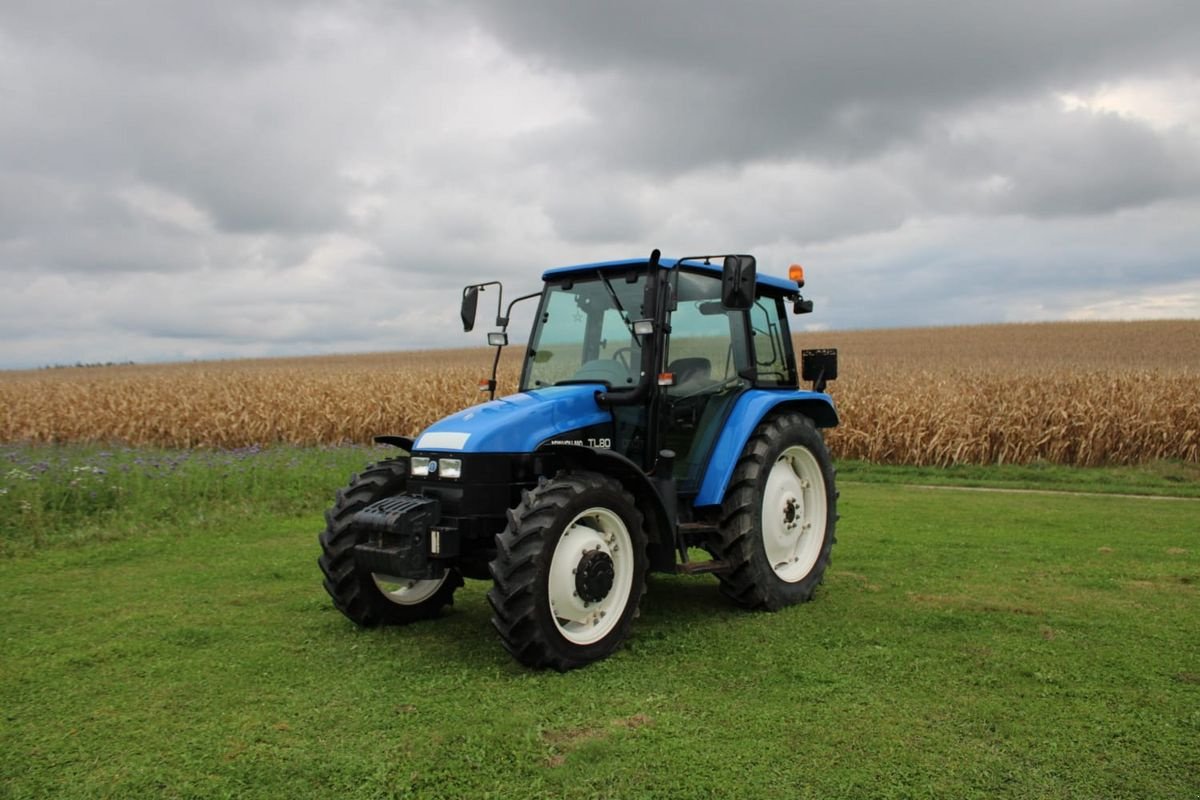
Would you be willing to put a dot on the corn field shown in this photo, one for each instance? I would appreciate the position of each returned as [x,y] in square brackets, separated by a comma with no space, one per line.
[1067,393]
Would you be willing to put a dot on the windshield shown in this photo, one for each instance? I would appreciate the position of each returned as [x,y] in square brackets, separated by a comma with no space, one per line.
[581,335]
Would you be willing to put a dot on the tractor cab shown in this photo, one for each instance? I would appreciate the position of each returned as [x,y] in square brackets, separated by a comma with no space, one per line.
[669,346]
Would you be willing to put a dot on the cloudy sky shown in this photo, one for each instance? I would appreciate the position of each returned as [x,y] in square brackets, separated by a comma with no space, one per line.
[184,180]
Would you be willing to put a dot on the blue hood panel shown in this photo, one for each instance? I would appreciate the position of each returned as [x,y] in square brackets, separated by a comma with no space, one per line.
[517,423]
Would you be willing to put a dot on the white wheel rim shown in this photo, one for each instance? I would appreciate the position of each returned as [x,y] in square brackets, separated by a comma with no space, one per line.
[407,591]
[793,514]
[578,621]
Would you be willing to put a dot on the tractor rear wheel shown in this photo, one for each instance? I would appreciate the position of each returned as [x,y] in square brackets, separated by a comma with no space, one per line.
[367,598]
[569,572]
[779,515]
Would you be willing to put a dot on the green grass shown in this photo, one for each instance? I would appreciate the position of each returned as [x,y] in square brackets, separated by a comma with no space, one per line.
[62,495]
[1159,478]
[963,645]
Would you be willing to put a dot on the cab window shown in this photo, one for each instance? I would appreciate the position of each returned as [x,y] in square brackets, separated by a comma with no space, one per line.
[769,333]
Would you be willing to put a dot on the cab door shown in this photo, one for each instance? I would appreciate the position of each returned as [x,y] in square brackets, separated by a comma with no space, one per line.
[707,355]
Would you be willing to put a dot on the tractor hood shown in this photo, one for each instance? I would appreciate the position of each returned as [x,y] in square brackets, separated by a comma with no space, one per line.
[517,423]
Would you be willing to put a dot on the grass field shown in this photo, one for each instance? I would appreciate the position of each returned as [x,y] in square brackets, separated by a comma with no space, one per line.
[177,643]
[1065,393]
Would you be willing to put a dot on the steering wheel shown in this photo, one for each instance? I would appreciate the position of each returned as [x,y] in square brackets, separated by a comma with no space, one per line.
[624,355]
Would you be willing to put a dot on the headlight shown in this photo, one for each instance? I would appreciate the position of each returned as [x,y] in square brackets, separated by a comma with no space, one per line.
[423,467]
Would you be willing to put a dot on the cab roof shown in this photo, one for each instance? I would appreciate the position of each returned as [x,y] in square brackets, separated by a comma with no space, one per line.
[767,281]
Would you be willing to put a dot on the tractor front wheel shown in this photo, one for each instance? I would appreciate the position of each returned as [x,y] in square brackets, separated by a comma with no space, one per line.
[369,598]
[569,572]
[779,515]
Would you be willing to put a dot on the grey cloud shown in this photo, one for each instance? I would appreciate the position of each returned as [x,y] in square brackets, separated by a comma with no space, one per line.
[816,79]
[1042,160]
[587,211]
[965,270]
[142,35]
[1101,164]
[257,144]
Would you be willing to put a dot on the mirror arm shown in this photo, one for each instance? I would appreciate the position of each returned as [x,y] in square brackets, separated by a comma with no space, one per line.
[502,321]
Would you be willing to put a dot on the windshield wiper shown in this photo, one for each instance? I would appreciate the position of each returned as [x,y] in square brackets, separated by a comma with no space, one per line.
[617,302]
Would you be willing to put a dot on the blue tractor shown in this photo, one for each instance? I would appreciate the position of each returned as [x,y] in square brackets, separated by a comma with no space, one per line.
[658,417]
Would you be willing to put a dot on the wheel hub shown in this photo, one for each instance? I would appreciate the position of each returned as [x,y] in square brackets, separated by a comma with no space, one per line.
[594,576]
[790,512]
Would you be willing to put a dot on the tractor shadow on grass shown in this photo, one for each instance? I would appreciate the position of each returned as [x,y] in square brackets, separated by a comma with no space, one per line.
[683,598]
[464,633]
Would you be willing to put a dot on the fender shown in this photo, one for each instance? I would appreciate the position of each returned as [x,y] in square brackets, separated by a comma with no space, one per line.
[659,525]
[748,411]
[403,442]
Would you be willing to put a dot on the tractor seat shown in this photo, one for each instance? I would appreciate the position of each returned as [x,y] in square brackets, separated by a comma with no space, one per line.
[692,371]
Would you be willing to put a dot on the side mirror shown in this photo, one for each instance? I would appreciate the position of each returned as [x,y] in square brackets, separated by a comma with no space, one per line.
[470,302]
[737,282]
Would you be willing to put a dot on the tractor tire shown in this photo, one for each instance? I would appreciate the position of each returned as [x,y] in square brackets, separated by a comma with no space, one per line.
[779,516]
[569,572]
[366,598]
